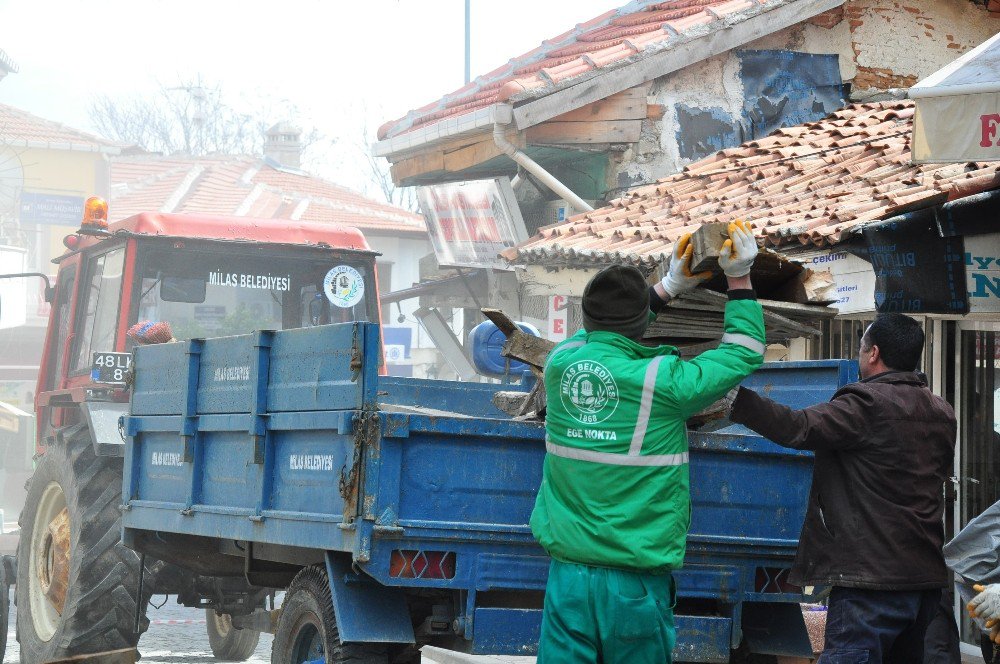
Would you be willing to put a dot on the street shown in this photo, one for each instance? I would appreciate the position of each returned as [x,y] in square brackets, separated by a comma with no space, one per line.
[176,635]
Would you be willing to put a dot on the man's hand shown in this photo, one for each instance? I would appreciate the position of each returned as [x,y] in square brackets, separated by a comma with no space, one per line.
[679,278]
[986,606]
[737,254]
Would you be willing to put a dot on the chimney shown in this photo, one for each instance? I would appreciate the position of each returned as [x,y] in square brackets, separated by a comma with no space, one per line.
[283,144]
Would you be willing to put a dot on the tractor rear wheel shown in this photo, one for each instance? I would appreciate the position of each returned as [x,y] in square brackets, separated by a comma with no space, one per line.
[76,583]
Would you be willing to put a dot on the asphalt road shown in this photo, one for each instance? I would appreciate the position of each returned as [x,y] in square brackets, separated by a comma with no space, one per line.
[176,635]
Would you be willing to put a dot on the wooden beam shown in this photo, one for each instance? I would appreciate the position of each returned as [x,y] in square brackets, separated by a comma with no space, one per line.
[690,50]
[452,157]
[408,168]
[601,131]
[472,155]
[627,105]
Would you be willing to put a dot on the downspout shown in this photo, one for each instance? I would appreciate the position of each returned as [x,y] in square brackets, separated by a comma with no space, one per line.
[533,167]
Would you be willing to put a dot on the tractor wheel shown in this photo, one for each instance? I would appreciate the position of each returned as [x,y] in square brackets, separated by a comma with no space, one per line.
[307,629]
[229,643]
[76,583]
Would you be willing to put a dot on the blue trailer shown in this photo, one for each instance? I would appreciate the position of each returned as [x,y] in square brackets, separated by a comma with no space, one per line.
[394,511]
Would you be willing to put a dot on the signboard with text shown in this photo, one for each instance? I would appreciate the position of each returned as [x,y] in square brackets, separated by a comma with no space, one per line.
[558,318]
[471,222]
[51,209]
[853,276]
[982,272]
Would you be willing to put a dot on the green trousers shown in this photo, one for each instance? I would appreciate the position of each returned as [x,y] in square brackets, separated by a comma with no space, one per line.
[598,615]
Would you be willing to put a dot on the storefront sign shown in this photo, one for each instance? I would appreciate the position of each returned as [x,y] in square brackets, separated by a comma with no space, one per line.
[853,277]
[558,318]
[51,209]
[982,272]
[470,223]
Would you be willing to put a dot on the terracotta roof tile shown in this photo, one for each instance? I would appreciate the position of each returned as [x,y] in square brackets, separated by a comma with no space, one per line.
[607,41]
[19,127]
[247,186]
[796,186]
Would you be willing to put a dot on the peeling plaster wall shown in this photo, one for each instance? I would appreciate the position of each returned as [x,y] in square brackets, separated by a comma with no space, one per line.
[722,102]
[712,85]
[873,39]
[827,33]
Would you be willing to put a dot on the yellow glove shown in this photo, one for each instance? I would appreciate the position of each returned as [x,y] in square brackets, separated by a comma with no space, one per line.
[738,253]
[679,278]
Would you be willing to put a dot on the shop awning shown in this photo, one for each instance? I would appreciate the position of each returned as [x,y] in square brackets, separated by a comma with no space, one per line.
[958,109]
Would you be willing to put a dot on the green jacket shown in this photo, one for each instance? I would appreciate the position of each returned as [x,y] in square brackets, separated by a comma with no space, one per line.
[615,489]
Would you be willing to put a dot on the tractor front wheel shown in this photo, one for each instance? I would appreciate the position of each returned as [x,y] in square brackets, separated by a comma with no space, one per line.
[76,583]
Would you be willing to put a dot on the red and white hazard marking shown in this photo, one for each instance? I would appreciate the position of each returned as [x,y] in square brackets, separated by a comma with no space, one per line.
[191,621]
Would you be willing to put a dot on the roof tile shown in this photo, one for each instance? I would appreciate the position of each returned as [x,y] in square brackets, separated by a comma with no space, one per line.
[249,186]
[19,127]
[812,184]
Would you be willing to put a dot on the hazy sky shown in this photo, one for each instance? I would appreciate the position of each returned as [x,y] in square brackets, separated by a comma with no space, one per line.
[331,59]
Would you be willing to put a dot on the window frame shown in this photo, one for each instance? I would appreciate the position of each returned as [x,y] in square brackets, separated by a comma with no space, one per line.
[83,305]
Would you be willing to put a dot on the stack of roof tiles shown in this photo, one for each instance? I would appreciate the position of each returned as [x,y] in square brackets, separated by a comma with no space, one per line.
[812,184]
[610,40]
[246,186]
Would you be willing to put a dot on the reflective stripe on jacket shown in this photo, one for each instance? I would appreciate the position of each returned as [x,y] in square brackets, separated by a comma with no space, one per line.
[615,481]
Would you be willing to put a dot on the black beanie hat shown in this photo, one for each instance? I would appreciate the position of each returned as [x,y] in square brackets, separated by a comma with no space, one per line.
[616,299]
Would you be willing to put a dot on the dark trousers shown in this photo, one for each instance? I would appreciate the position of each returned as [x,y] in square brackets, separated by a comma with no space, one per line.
[941,642]
[877,626]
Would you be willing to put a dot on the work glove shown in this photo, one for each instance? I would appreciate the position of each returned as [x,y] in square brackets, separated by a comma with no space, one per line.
[737,254]
[986,606]
[679,278]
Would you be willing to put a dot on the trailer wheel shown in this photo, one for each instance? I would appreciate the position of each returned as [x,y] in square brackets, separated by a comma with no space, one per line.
[229,643]
[76,583]
[307,629]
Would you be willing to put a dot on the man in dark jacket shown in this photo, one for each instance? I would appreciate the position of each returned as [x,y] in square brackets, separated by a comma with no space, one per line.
[873,528]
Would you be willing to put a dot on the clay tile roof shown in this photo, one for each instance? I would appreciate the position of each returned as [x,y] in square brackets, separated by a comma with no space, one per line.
[796,187]
[246,186]
[608,41]
[22,129]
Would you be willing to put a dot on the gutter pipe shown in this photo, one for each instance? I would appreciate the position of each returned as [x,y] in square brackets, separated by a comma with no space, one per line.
[533,167]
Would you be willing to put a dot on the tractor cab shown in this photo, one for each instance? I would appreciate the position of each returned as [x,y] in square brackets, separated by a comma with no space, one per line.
[156,277]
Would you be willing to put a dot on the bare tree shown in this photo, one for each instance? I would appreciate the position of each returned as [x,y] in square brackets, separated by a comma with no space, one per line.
[193,117]
[378,174]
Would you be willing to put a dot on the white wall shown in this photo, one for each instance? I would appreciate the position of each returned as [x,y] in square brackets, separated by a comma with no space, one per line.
[404,253]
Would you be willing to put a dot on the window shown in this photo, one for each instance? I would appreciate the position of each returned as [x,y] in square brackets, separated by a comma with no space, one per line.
[100,300]
[64,300]
[207,292]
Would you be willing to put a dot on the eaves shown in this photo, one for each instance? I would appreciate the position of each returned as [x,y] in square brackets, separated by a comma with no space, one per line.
[68,147]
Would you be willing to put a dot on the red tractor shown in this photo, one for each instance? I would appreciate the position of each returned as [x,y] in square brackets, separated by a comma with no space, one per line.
[151,278]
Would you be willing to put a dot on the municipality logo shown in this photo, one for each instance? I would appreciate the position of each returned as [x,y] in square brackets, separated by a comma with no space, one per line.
[588,391]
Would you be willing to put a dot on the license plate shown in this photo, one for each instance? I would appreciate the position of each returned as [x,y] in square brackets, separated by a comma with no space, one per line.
[110,368]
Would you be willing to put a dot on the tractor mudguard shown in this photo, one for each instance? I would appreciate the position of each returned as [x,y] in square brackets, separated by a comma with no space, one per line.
[366,610]
[104,418]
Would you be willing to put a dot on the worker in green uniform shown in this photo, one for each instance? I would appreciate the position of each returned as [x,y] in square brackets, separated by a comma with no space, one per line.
[614,506]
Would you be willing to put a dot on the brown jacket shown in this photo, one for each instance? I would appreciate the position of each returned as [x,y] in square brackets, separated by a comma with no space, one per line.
[884,448]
